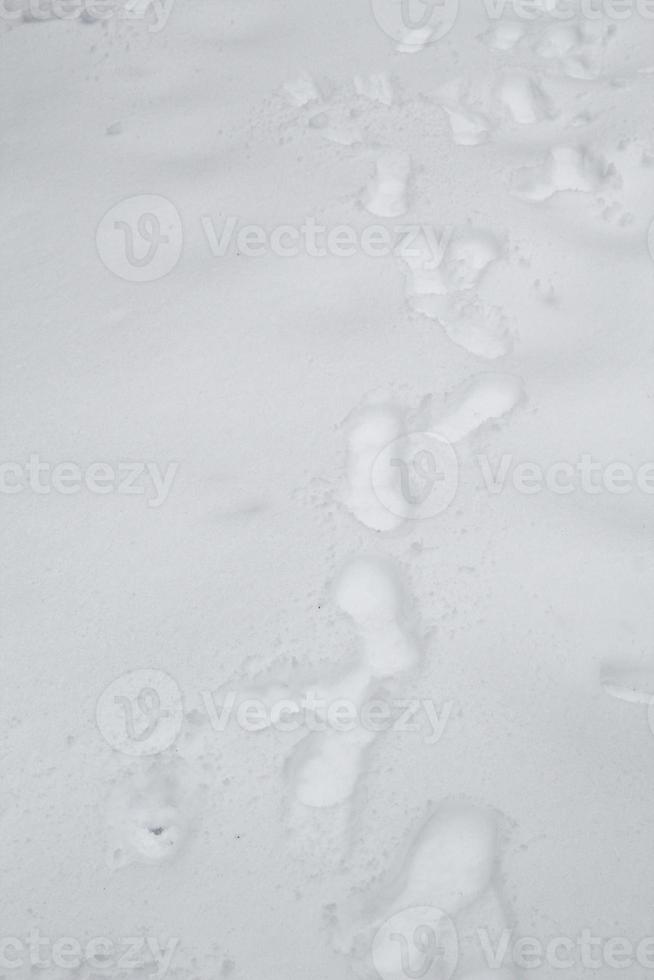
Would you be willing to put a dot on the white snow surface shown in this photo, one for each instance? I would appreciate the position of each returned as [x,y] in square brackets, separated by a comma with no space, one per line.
[268,557]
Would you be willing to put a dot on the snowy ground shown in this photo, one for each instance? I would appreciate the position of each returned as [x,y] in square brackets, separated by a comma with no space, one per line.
[412,465]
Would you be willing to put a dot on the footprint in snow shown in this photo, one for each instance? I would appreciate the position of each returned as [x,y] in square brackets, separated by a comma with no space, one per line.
[566,168]
[386,193]
[485,398]
[325,768]
[443,285]
[148,819]
[447,868]
[335,112]
[369,590]
[480,107]
[576,50]
[376,87]
[523,98]
[369,429]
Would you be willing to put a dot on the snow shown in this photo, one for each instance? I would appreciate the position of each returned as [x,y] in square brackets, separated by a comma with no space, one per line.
[327,477]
